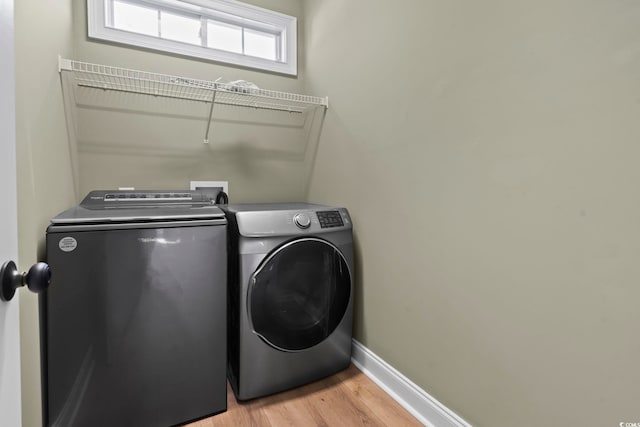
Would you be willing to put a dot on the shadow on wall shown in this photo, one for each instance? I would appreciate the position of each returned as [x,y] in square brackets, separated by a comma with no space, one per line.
[156,142]
[115,121]
[359,331]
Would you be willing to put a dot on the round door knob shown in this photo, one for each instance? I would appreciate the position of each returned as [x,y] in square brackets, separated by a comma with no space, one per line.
[302,220]
[37,279]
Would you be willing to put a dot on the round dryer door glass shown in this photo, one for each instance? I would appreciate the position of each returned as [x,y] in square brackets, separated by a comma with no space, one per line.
[300,294]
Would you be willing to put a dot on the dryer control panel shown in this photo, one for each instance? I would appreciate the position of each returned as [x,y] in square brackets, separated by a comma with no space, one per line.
[302,220]
[330,219]
[288,219]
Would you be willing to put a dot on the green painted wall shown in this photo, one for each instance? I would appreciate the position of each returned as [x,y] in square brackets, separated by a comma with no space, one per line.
[488,154]
[45,183]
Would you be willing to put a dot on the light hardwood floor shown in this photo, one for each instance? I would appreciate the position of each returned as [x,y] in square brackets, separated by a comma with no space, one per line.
[348,398]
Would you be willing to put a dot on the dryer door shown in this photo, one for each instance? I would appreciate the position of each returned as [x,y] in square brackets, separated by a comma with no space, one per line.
[299,294]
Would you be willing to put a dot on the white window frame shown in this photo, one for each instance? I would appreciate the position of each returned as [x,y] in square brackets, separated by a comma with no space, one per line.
[229,11]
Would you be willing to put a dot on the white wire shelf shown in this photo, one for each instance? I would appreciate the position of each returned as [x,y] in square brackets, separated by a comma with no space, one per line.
[126,80]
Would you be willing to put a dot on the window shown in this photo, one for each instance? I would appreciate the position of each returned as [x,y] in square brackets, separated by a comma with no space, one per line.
[220,30]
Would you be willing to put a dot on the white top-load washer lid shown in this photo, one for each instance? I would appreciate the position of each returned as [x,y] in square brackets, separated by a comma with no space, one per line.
[288,219]
[140,206]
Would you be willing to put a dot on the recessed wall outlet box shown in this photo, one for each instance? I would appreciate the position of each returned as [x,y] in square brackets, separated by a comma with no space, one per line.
[216,185]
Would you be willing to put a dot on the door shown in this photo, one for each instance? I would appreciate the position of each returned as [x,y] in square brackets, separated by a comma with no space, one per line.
[10,407]
[300,293]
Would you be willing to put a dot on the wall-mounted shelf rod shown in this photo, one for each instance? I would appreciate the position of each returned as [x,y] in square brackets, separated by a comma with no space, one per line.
[108,77]
[213,102]
[134,81]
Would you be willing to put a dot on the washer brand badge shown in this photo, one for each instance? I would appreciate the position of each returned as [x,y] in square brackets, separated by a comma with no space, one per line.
[67,244]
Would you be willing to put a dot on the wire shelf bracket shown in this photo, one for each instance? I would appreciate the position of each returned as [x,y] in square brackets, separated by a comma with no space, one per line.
[214,92]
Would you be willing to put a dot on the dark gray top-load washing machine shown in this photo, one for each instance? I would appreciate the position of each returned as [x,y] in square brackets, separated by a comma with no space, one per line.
[133,326]
[290,295]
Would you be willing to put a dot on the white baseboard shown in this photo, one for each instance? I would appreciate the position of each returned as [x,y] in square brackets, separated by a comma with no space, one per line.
[418,402]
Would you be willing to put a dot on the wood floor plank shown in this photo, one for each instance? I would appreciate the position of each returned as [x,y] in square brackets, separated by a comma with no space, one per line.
[348,398]
[335,407]
[376,400]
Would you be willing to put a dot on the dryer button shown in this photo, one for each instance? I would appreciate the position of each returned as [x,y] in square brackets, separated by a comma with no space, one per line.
[302,220]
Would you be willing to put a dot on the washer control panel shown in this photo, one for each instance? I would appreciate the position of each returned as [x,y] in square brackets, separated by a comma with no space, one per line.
[330,219]
[125,196]
[151,198]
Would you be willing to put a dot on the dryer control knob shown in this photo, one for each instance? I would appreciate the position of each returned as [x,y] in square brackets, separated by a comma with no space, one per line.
[302,220]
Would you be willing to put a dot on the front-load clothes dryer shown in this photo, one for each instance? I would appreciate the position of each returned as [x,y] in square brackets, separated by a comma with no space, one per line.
[290,295]
[133,325]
